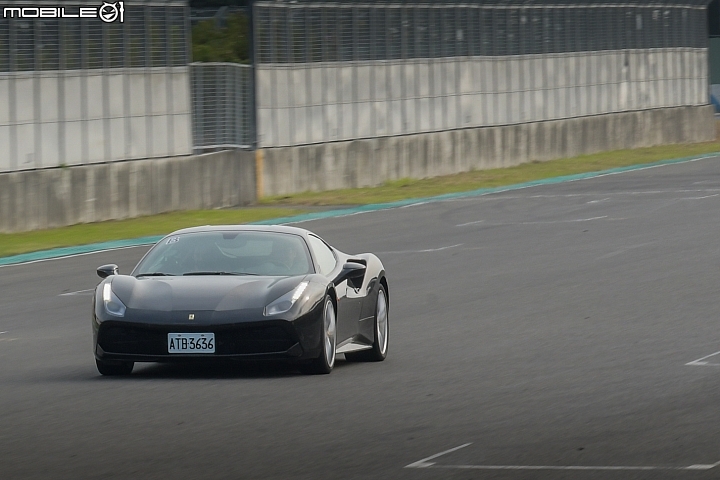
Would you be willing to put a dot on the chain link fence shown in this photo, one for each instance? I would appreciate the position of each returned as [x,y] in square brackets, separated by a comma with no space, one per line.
[301,33]
[153,34]
[223,109]
[340,71]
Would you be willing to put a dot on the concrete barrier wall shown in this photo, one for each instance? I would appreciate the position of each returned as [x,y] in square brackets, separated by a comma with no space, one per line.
[305,103]
[72,117]
[54,197]
[369,162]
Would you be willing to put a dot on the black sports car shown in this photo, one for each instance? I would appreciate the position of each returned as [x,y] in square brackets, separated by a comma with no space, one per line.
[240,292]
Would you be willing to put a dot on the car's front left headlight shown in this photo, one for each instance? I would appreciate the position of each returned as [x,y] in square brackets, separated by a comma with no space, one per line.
[113,305]
[286,302]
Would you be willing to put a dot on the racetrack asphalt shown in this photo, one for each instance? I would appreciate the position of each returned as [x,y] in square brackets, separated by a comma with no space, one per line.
[550,328]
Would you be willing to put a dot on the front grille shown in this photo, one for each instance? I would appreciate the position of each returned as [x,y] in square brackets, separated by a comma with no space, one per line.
[253,340]
[229,340]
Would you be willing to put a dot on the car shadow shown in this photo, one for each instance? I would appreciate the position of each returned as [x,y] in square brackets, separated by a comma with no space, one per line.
[218,370]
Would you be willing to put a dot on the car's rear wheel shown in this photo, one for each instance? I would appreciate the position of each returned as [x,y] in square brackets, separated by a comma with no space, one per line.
[379,349]
[326,361]
[114,368]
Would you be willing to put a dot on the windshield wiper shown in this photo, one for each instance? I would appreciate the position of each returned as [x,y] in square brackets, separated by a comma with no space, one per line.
[219,273]
[155,274]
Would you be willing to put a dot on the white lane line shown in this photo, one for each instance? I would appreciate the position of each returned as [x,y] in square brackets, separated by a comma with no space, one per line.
[73,255]
[570,467]
[597,194]
[423,251]
[623,250]
[548,222]
[2,333]
[702,362]
[79,292]
[470,223]
[599,201]
[701,198]
[424,462]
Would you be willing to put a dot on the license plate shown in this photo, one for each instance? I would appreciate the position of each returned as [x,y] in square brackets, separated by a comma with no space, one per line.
[191,343]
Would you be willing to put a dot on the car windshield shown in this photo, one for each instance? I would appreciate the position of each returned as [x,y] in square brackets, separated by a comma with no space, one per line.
[227,253]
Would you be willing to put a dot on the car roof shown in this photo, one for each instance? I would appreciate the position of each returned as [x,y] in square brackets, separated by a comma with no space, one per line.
[243,228]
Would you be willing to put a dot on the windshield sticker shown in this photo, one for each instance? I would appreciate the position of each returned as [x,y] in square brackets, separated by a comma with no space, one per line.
[172,240]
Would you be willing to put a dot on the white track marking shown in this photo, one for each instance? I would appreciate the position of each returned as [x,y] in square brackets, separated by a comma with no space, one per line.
[568,467]
[428,250]
[701,198]
[79,292]
[599,201]
[424,462]
[2,333]
[548,222]
[73,255]
[623,250]
[702,362]
[470,223]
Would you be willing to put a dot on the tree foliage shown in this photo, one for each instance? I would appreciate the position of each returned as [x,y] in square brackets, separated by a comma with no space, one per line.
[227,44]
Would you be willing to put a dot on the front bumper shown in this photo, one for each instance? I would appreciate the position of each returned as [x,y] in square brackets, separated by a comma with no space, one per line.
[266,339]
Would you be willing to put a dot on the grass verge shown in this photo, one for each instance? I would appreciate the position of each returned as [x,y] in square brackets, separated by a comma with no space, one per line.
[284,206]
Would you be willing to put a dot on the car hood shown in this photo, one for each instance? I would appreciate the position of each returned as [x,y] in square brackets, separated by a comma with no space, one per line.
[201,293]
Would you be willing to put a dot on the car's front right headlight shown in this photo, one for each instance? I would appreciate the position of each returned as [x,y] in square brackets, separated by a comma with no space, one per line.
[113,305]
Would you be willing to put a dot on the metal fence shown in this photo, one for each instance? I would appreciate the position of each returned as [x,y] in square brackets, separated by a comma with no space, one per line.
[153,34]
[341,71]
[223,109]
[317,32]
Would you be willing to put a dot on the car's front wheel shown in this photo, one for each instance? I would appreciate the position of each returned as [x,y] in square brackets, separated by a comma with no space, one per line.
[379,349]
[114,368]
[326,361]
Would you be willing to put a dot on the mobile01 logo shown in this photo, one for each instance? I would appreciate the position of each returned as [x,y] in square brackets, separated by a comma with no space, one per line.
[108,12]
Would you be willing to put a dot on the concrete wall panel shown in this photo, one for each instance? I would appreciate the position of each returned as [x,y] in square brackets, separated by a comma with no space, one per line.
[73,149]
[96,136]
[278,94]
[298,79]
[26,155]
[72,91]
[50,146]
[25,99]
[158,90]
[316,85]
[116,95]
[48,99]
[137,95]
[94,94]
[160,145]
[181,91]
[266,78]
[138,137]
[5,163]
[117,139]
[5,101]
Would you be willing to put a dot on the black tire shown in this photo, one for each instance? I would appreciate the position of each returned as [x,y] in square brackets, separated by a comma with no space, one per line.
[326,361]
[115,368]
[379,349]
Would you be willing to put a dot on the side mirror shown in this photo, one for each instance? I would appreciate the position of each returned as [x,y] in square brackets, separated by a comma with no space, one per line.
[351,271]
[107,270]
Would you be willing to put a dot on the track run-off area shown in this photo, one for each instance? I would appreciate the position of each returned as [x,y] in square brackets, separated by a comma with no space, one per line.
[563,331]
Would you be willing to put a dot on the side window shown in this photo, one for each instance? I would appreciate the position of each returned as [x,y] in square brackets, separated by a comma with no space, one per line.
[324,256]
